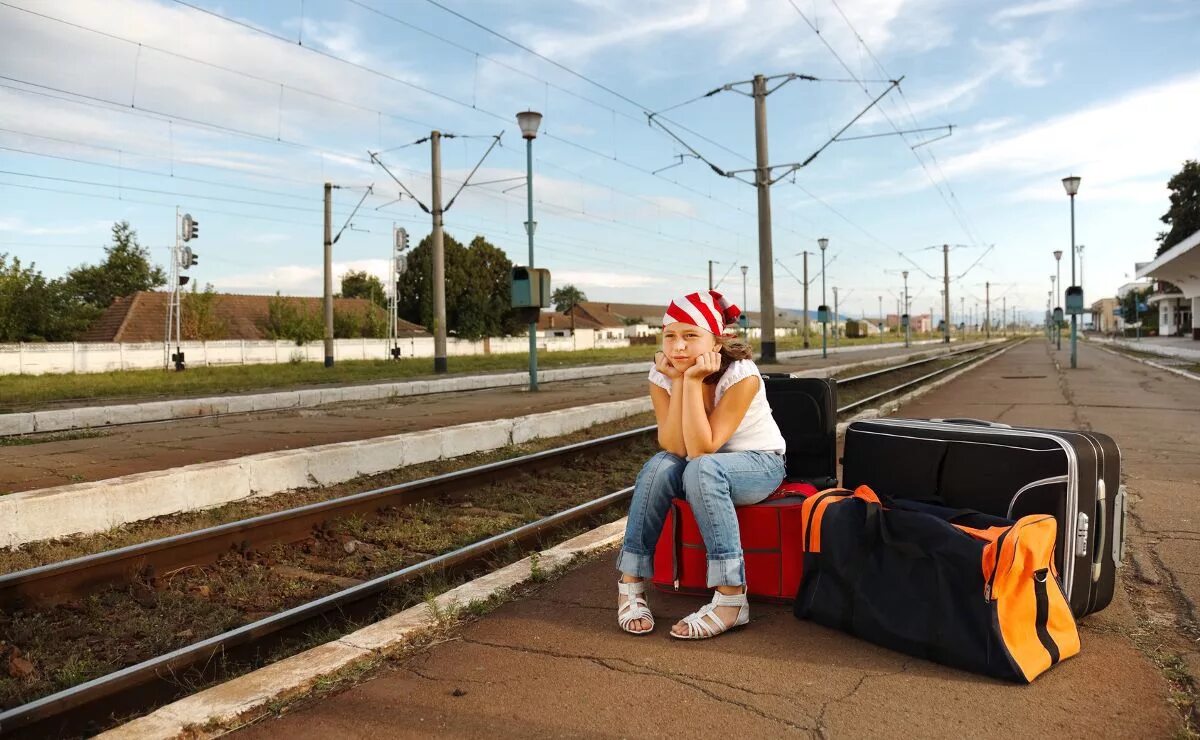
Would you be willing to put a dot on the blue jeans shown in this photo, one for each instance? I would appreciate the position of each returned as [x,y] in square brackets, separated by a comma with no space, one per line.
[712,485]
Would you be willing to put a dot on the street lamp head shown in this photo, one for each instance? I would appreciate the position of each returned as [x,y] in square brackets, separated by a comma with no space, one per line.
[1058,254]
[745,268]
[529,122]
[904,273]
[1071,184]
[822,243]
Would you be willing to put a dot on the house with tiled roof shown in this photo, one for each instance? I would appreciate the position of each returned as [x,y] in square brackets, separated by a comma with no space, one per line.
[142,316]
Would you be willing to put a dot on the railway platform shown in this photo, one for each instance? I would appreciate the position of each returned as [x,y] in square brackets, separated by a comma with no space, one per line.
[555,664]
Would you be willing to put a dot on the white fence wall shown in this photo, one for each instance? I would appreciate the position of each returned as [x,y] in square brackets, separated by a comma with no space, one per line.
[85,357]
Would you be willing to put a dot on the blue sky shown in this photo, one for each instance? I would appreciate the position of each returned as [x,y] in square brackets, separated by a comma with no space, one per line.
[124,109]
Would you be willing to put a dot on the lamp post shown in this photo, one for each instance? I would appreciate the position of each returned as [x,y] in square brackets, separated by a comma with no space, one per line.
[823,243]
[745,305]
[529,122]
[908,323]
[1071,185]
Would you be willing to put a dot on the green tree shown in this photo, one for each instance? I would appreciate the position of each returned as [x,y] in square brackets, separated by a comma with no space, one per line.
[33,309]
[198,319]
[362,284]
[288,318]
[477,294]
[1129,302]
[566,298]
[1183,217]
[126,269]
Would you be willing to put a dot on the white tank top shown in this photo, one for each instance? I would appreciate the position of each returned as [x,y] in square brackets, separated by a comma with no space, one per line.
[758,430]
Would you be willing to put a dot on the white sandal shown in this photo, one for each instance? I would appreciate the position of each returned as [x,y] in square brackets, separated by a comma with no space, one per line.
[634,607]
[699,629]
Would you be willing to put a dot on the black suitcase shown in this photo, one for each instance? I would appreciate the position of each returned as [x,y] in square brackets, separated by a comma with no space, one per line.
[1007,471]
[806,411]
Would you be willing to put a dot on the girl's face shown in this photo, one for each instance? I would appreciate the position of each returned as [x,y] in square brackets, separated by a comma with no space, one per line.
[683,343]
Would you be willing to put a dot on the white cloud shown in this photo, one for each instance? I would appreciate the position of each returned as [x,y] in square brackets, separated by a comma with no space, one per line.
[18,225]
[1112,145]
[302,279]
[1005,16]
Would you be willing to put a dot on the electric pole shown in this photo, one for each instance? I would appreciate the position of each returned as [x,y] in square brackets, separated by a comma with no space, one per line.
[439,256]
[946,290]
[835,317]
[710,280]
[987,309]
[328,274]
[764,179]
[805,299]
[436,238]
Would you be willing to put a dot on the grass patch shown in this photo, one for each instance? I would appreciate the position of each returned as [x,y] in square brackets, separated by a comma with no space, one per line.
[20,392]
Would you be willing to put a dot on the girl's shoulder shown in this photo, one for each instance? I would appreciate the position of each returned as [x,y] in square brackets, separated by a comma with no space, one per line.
[738,370]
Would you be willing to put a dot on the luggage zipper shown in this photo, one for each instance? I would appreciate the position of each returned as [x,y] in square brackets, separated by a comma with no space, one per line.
[1043,613]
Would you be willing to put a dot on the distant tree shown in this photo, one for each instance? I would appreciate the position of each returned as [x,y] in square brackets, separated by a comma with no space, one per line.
[34,309]
[566,298]
[350,323]
[126,269]
[198,320]
[288,318]
[363,284]
[1183,217]
[477,295]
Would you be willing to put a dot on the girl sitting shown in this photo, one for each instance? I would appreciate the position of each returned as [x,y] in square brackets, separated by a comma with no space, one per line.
[721,448]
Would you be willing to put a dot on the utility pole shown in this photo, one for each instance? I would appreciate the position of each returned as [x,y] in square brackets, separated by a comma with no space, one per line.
[962,314]
[946,290]
[881,319]
[835,317]
[710,280]
[439,256]
[328,274]
[766,265]
[805,299]
[763,180]
[1004,313]
[987,310]
[907,322]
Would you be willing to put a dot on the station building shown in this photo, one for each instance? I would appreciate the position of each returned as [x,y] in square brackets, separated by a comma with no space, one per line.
[1177,305]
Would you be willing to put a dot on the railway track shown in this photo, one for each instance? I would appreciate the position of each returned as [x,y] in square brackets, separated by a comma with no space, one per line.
[95,703]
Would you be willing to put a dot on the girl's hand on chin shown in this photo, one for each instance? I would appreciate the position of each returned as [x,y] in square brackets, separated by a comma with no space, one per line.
[705,365]
[664,366]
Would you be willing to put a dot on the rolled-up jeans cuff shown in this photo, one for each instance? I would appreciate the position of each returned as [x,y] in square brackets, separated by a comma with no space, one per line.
[727,572]
[635,564]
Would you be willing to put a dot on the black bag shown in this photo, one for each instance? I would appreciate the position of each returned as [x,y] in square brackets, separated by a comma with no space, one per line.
[806,411]
[953,586]
[1009,472]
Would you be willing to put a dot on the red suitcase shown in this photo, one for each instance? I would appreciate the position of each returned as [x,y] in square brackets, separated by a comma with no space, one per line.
[770,543]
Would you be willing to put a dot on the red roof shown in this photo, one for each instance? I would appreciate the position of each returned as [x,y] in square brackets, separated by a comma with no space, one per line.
[142,317]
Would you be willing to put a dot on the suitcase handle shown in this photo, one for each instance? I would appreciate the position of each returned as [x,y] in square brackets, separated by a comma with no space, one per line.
[1098,554]
[974,422]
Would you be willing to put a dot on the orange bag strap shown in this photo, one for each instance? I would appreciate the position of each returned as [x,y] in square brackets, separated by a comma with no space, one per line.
[812,513]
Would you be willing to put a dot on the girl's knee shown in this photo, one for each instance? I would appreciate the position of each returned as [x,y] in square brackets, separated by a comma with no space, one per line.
[702,472]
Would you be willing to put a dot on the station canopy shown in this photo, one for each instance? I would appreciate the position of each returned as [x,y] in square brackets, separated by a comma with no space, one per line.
[1179,265]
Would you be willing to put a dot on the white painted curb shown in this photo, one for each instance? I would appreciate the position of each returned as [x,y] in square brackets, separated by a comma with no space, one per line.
[227,702]
[96,506]
[58,420]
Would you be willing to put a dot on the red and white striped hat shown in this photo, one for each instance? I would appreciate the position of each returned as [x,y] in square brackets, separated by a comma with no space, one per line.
[706,309]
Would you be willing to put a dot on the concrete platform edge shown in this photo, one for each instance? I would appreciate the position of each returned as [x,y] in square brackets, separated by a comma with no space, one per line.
[96,506]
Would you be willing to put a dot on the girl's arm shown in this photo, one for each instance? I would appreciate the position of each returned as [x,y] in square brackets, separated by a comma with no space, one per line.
[704,434]
[668,410]
[668,406]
